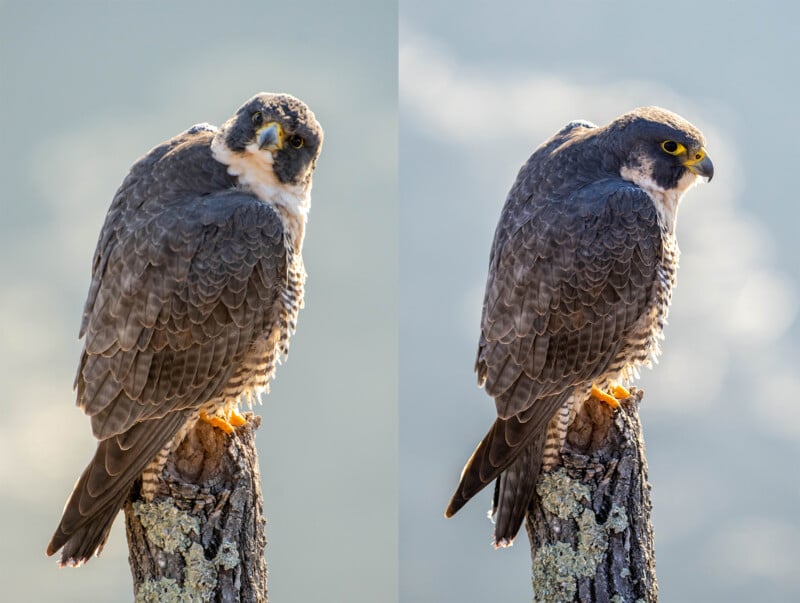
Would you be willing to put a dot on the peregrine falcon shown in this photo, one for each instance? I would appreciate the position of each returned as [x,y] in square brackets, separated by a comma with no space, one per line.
[580,280]
[197,280]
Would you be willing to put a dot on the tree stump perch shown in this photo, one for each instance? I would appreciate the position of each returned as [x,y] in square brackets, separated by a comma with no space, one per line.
[589,525]
[203,536]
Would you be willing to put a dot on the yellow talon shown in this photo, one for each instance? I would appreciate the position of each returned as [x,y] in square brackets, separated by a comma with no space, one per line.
[619,392]
[217,422]
[604,397]
[236,418]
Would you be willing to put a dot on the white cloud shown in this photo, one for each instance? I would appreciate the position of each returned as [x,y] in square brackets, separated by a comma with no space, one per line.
[453,99]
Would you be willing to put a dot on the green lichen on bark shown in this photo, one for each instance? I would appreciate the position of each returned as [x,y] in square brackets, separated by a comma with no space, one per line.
[592,544]
[617,520]
[203,537]
[169,528]
[589,525]
[165,590]
[557,567]
[201,574]
[554,574]
[228,556]
[561,495]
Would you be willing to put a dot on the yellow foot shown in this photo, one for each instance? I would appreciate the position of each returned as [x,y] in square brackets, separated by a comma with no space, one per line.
[619,392]
[236,418]
[217,422]
[612,399]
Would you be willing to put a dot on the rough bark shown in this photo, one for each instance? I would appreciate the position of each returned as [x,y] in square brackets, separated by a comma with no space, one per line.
[589,527]
[202,537]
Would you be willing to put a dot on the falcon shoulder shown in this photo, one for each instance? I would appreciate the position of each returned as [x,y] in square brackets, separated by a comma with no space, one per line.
[179,296]
[569,278]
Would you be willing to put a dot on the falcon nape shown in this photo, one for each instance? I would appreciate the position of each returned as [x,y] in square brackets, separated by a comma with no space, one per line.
[580,280]
[197,280]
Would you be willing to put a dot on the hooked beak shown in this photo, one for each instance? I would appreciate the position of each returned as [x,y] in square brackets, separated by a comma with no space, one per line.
[270,136]
[700,163]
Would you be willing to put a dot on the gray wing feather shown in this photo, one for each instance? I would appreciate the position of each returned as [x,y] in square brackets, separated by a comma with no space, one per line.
[181,298]
[178,296]
[567,285]
[568,280]
[101,490]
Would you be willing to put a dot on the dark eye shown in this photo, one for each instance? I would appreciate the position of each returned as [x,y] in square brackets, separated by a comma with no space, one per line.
[258,118]
[297,142]
[672,147]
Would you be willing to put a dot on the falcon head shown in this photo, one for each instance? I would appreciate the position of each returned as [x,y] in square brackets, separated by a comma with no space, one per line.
[273,140]
[659,151]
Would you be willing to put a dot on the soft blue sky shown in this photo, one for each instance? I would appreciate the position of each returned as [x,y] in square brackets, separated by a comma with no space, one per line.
[87,88]
[480,88]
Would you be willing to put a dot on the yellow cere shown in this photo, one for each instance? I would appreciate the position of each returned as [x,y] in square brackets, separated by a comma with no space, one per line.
[698,157]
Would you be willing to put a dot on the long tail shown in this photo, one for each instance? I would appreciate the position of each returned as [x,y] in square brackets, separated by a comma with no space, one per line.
[102,489]
[511,453]
[513,491]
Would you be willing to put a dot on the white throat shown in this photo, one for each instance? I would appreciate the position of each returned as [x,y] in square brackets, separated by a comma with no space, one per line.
[665,200]
[255,173]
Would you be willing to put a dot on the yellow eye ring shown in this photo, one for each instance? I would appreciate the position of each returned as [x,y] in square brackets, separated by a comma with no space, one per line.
[673,148]
[297,141]
[257,118]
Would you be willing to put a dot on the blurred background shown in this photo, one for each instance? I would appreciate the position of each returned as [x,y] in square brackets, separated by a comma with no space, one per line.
[87,88]
[480,88]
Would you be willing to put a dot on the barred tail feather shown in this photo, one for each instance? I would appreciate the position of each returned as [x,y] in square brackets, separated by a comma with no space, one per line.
[87,541]
[515,443]
[514,490]
[104,485]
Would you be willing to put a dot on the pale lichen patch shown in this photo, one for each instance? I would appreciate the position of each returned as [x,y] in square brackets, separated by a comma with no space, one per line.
[553,573]
[558,567]
[228,556]
[165,590]
[167,526]
[592,544]
[201,574]
[560,494]
[617,520]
